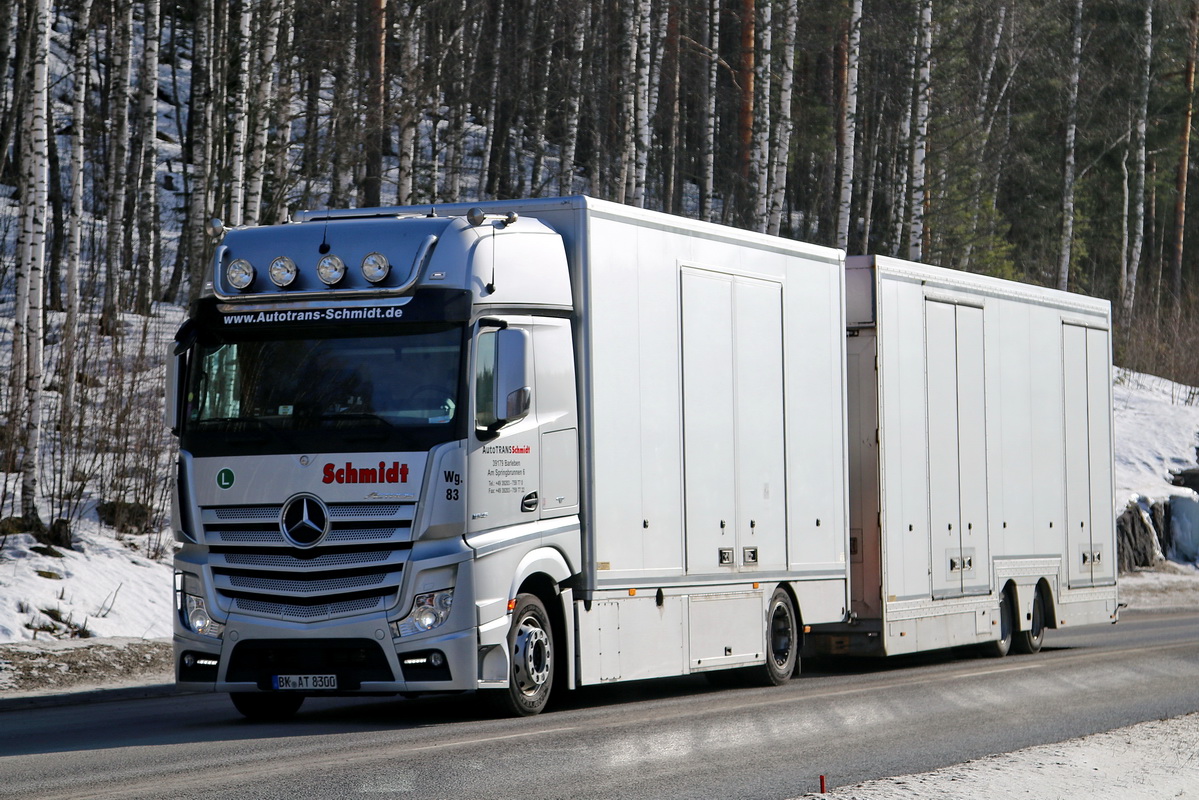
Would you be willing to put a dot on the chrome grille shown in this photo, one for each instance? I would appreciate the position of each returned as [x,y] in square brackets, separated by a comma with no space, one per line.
[357,567]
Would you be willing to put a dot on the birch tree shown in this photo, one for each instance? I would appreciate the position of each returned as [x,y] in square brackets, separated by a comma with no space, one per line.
[264,109]
[1184,159]
[707,197]
[573,104]
[783,125]
[118,149]
[1129,283]
[148,240]
[1063,264]
[849,123]
[642,101]
[760,158]
[82,72]
[240,113]
[375,34]
[36,188]
[920,134]
[199,125]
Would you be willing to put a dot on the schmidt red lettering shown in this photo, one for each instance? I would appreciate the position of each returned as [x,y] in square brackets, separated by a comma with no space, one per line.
[383,473]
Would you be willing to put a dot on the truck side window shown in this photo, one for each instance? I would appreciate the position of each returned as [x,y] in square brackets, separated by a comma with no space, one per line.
[485,380]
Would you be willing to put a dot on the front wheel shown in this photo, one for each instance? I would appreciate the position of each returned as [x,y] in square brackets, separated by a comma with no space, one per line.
[782,640]
[265,706]
[531,649]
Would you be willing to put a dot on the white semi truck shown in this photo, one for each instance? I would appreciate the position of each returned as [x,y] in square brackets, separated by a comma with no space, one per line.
[525,446]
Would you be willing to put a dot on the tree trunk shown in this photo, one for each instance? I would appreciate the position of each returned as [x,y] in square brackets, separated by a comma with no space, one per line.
[36,196]
[578,42]
[376,104]
[1063,264]
[148,241]
[199,124]
[1129,295]
[783,125]
[707,204]
[920,137]
[849,123]
[79,52]
[901,188]
[240,114]
[265,107]
[118,164]
[282,169]
[1184,160]
[760,158]
[745,103]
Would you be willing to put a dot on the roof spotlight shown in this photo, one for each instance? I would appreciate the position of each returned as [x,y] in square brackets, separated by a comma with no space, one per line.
[331,269]
[239,273]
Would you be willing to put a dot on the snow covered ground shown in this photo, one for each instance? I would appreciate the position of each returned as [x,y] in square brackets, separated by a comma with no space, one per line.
[1150,761]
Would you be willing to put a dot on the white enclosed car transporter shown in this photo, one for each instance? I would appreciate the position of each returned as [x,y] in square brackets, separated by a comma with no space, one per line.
[549,443]
[980,457]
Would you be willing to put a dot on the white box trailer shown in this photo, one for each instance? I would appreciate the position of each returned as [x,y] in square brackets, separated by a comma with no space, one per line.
[980,453]
[523,444]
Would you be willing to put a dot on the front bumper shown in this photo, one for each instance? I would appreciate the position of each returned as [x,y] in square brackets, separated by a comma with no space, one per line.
[362,654]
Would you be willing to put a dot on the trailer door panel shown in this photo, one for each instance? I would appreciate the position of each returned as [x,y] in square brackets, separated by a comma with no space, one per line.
[1088,455]
[957,449]
[761,513]
[733,433]
[708,446]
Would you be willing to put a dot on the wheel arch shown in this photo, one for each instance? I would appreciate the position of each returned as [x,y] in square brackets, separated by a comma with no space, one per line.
[541,573]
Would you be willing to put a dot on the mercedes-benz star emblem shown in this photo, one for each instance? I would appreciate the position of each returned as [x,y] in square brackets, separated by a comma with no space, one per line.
[305,520]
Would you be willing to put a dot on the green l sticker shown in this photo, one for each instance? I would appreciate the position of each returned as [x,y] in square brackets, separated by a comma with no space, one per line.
[224,478]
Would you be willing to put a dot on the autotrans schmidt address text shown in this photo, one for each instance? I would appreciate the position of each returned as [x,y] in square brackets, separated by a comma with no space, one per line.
[315,315]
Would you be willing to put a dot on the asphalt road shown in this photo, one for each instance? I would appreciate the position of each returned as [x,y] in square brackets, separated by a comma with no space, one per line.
[850,721]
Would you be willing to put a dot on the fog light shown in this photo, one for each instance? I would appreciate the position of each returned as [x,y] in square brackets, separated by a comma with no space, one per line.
[436,659]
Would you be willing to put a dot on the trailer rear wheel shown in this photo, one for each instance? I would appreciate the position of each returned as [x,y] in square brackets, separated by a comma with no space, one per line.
[1030,641]
[265,706]
[531,647]
[782,640]
[1007,610]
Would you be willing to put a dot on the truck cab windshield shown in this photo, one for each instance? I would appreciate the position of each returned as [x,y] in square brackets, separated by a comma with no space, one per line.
[355,391]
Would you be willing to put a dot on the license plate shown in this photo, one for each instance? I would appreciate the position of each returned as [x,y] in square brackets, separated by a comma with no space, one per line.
[304,682]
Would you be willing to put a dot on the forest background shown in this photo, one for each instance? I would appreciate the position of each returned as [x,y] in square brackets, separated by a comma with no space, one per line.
[1046,141]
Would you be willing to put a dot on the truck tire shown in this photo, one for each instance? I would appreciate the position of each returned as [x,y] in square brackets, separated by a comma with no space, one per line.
[265,706]
[1007,611]
[1029,641]
[531,648]
[782,640]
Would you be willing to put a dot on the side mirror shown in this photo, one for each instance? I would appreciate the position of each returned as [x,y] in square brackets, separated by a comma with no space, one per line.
[173,394]
[503,384]
[513,384]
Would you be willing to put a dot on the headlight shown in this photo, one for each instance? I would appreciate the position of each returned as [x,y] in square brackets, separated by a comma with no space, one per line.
[239,273]
[429,611]
[331,269]
[198,619]
[375,267]
[282,271]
